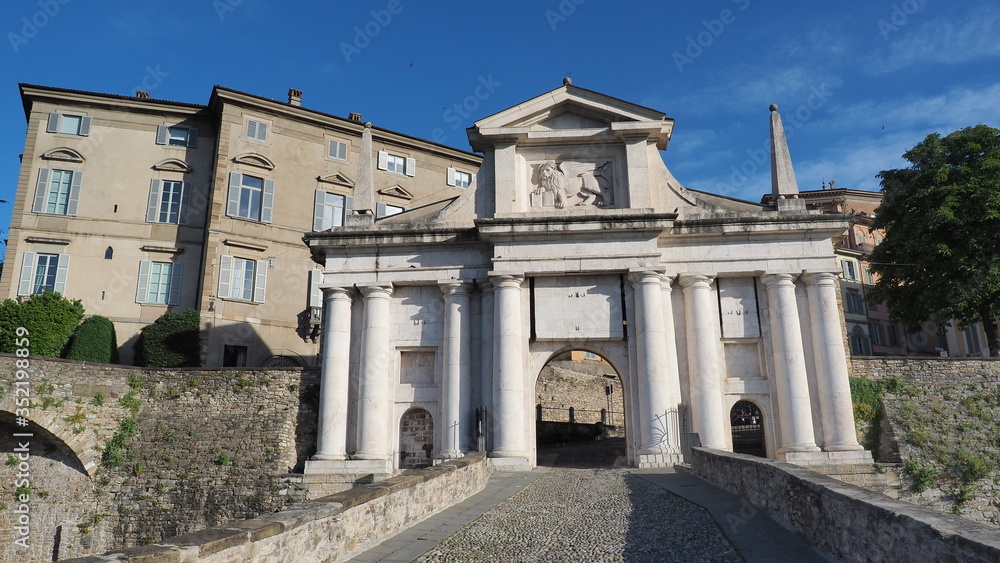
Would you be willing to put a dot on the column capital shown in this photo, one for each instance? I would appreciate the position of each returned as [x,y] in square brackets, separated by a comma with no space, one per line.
[695,280]
[377,291]
[455,287]
[507,281]
[774,280]
[667,282]
[645,276]
[336,293]
[484,286]
[819,278]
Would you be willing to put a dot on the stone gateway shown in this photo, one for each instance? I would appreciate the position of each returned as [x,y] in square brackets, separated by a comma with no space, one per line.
[574,235]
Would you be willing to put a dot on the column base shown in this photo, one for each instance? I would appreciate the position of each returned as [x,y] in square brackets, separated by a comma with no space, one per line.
[348,466]
[510,463]
[646,461]
[827,458]
[844,448]
[328,457]
[448,456]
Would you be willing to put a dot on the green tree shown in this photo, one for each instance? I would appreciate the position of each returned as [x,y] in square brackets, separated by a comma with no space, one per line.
[172,341]
[940,258]
[49,318]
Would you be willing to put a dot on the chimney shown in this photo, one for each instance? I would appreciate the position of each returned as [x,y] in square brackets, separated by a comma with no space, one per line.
[294,97]
[142,95]
[356,117]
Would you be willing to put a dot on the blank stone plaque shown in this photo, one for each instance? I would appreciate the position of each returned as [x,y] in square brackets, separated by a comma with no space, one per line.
[578,307]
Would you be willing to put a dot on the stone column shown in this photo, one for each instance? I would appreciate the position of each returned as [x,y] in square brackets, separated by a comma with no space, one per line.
[373,440]
[836,408]
[456,375]
[707,414]
[331,435]
[672,373]
[654,398]
[486,354]
[789,365]
[508,369]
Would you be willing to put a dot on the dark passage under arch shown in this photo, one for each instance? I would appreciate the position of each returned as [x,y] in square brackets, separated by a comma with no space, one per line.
[748,429]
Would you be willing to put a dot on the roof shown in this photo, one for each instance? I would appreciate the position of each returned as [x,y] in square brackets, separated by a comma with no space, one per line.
[27,106]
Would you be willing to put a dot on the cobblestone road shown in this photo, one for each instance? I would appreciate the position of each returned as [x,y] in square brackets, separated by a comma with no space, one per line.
[588,514]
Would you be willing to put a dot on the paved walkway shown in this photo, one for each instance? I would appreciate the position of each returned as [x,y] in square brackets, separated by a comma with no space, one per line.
[574,511]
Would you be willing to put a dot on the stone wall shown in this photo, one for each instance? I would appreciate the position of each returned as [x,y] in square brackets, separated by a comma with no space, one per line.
[849,522]
[333,528]
[942,416]
[207,446]
[565,384]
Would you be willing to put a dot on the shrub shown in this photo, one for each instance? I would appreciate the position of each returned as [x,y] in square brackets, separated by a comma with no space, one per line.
[49,318]
[94,341]
[924,476]
[171,341]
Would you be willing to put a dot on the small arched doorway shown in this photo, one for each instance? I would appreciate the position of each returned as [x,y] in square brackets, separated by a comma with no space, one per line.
[416,439]
[747,423]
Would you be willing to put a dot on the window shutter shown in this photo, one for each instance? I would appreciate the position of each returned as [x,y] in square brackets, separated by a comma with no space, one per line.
[176,277]
[315,293]
[192,138]
[342,151]
[225,275]
[52,125]
[153,203]
[319,202]
[411,167]
[182,216]
[62,269]
[348,207]
[85,126]
[260,281]
[74,192]
[843,267]
[161,134]
[383,160]
[251,129]
[267,201]
[379,210]
[261,131]
[41,190]
[27,268]
[142,288]
[451,177]
[233,205]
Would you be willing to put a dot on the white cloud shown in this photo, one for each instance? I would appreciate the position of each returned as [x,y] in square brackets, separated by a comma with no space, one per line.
[937,41]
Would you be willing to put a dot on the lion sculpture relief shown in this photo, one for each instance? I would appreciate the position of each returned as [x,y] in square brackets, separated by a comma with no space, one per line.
[587,182]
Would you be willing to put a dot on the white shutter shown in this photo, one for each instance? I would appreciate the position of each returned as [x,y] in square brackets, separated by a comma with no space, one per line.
[142,288]
[85,126]
[153,203]
[225,276]
[379,210]
[192,138]
[74,192]
[348,206]
[182,216]
[52,125]
[261,131]
[260,281]
[176,277]
[62,270]
[251,129]
[383,160]
[315,293]
[267,201]
[41,190]
[27,270]
[233,204]
[451,177]
[162,132]
[319,203]
[411,167]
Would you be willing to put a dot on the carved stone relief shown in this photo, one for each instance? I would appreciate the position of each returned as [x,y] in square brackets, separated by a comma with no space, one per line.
[573,183]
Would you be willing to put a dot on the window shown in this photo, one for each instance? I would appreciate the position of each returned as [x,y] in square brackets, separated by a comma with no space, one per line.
[42,273]
[176,136]
[168,202]
[860,345]
[337,150]
[876,333]
[385,210]
[459,179]
[68,124]
[57,191]
[159,282]
[330,209]
[234,356]
[250,197]
[241,278]
[853,303]
[396,163]
[893,336]
[972,343]
[256,130]
[590,356]
[850,268]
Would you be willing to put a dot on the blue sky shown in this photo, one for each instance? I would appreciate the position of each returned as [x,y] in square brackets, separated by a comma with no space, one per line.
[858,82]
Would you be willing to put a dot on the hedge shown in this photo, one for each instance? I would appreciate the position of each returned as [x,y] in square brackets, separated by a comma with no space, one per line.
[48,318]
[94,341]
[172,341]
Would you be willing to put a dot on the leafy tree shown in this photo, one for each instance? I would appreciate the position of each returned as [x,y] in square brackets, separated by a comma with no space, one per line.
[94,341]
[173,340]
[940,258]
[49,317]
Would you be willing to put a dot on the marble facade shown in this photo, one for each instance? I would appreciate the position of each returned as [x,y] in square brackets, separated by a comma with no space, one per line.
[575,235]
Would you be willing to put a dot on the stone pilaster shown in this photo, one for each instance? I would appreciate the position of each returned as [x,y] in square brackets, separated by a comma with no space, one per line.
[789,367]
[508,369]
[331,435]
[456,375]
[373,439]
[486,353]
[707,414]
[672,373]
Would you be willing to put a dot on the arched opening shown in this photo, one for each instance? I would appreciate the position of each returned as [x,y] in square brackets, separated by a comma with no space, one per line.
[579,411]
[416,439]
[747,423]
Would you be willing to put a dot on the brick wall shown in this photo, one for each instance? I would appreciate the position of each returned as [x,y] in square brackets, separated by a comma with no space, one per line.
[580,385]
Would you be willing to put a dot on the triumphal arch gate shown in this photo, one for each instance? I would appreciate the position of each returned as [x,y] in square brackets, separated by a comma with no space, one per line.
[575,235]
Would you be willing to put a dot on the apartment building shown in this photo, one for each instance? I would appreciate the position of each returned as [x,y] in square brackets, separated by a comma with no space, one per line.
[137,206]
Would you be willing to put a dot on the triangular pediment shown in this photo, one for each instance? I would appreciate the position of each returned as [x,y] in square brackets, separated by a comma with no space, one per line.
[254,159]
[396,191]
[336,178]
[64,154]
[586,106]
[173,165]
